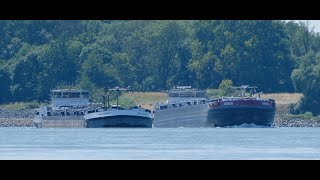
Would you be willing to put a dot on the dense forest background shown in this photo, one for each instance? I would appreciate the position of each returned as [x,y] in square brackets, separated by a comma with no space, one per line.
[148,55]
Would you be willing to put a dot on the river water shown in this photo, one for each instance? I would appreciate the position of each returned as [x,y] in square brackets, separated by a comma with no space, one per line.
[160,143]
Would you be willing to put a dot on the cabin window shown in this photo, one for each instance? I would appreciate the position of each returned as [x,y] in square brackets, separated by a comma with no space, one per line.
[163,107]
[75,95]
[85,94]
[57,95]
[65,95]
[200,94]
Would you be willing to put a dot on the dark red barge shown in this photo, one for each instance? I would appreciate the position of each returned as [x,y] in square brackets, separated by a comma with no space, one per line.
[231,111]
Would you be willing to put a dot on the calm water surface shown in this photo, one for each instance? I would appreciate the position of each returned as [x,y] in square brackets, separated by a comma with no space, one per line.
[160,143]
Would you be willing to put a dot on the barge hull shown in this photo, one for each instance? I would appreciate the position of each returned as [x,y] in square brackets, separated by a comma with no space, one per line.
[119,121]
[222,117]
[192,116]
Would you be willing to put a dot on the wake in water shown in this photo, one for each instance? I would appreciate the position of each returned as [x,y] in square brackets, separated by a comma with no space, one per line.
[251,125]
[245,125]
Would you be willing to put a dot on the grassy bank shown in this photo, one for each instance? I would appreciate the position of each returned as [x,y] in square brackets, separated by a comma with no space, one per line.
[283,101]
[146,99]
[20,105]
[283,98]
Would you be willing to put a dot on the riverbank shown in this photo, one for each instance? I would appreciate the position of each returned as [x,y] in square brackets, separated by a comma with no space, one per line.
[16,118]
[285,119]
[296,121]
[16,122]
[24,118]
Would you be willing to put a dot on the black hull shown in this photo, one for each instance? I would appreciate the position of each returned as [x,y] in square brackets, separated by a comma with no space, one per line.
[232,116]
[122,121]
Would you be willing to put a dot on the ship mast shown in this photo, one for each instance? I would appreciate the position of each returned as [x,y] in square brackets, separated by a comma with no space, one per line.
[243,89]
[104,98]
[118,89]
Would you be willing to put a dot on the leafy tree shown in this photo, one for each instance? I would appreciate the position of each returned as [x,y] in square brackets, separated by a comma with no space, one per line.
[24,79]
[226,88]
[4,86]
[98,70]
[167,40]
[40,55]
[306,79]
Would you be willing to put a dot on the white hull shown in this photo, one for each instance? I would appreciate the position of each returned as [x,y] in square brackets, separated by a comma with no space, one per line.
[185,116]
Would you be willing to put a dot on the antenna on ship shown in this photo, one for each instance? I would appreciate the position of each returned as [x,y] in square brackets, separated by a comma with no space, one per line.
[104,98]
[117,89]
[243,89]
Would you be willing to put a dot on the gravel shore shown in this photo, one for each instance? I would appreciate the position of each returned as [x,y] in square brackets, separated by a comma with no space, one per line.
[16,118]
[295,122]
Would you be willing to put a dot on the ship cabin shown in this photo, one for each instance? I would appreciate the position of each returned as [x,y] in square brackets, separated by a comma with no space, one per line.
[182,96]
[70,98]
[66,102]
[185,93]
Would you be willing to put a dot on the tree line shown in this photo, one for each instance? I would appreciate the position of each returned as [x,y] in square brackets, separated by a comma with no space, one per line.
[154,55]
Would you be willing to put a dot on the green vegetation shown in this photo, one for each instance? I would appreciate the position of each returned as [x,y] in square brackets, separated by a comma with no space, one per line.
[276,56]
[145,99]
[225,89]
[20,105]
